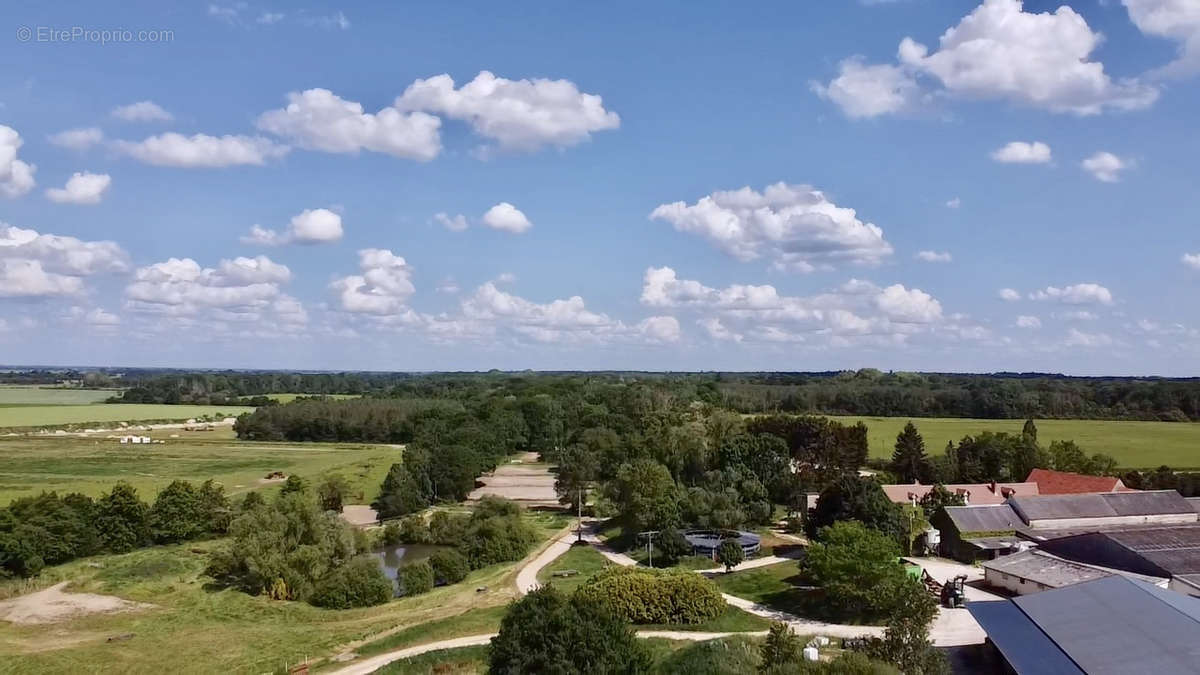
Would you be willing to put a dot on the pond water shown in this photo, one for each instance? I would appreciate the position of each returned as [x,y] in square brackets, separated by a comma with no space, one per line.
[392,558]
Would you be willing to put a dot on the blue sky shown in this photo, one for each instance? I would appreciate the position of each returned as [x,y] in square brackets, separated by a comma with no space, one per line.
[903,184]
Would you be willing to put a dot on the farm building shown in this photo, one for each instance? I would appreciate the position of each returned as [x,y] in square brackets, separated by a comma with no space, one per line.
[1050,482]
[1162,551]
[135,439]
[1104,626]
[706,542]
[1035,571]
[1087,512]
[971,533]
[972,493]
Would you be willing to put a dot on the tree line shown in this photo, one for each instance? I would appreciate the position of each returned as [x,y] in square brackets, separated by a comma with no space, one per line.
[866,392]
[51,530]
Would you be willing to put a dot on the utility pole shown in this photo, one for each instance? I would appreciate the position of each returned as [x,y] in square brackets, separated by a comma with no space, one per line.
[579,499]
[649,535]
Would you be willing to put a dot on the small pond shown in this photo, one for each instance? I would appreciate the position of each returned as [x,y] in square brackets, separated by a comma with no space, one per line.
[392,558]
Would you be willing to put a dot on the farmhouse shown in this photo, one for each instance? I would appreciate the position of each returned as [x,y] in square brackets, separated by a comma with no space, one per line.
[1110,625]
[972,493]
[1050,482]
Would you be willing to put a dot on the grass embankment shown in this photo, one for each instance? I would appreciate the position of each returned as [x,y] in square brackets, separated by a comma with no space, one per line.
[29,465]
[1132,444]
[197,628]
[461,661]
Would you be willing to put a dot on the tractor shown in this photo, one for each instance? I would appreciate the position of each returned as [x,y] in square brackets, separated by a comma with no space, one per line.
[953,594]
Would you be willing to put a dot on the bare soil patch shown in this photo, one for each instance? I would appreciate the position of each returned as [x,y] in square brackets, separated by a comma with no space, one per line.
[52,605]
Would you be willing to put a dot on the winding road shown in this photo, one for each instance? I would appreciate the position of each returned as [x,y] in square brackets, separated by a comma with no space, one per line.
[527,581]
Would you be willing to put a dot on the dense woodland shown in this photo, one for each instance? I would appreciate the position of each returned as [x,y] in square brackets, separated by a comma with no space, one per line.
[863,392]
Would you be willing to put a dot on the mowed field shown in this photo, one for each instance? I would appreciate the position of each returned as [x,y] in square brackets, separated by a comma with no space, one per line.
[1136,445]
[91,464]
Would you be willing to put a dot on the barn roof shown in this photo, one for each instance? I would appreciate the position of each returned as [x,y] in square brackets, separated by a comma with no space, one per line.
[993,518]
[1109,625]
[977,493]
[1102,505]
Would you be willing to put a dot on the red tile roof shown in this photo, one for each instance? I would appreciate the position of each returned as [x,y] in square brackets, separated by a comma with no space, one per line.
[977,493]
[1052,482]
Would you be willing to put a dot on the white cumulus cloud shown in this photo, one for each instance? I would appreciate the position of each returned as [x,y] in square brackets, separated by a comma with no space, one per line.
[997,52]
[506,217]
[1105,166]
[934,256]
[1026,321]
[382,288]
[1076,294]
[310,226]
[16,176]
[519,115]
[244,290]
[202,150]
[317,119]
[38,265]
[78,139]
[1177,20]
[1020,152]
[795,226]
[81,188]
[142,111]
[1192,260]
[1009,294]
[456,223]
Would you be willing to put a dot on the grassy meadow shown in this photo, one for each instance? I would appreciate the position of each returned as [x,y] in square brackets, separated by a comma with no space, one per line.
[195,627]
[28,416]
[13,395]
[1135,445]
[91,464]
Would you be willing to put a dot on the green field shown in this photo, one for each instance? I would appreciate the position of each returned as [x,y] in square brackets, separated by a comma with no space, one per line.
[29,465]
[1133,444]
[26,416]
[13,395]
[288,398]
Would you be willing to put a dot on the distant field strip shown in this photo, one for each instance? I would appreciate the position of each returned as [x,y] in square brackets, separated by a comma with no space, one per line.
[1133,444]
[52,415]
[25,396]
[92,464]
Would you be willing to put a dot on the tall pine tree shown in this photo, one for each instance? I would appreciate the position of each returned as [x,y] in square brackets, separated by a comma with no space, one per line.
[909,462]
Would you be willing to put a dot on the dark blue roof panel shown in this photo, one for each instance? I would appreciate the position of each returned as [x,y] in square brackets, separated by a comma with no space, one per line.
[1024,645]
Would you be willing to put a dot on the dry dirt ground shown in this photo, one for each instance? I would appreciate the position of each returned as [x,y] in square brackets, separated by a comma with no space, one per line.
[52,605]
[360,515]
[523,481]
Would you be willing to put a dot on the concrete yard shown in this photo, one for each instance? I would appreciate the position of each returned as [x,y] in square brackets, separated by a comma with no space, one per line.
[524,481]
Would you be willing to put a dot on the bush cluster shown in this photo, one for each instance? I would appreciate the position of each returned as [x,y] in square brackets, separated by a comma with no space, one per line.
[50,530]
[645,596]
[358,583]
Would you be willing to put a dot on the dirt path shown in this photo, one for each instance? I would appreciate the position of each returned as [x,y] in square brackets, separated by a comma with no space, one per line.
[51,605]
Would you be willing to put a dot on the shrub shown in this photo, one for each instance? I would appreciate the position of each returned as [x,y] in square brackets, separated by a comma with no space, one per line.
[447,529]
[391,534]
[671,545]
[735,656]
[416,578]
[413,529]
[858,570]
[122,519]
[545,632]
[496,533]
[449,566]
[730,554]
[176,515]
[647,596]
[358,583]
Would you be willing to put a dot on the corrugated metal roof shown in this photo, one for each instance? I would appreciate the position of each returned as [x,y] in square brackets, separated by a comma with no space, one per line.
[1118,625]
[997,518]
[1103,505]
[1050,570]
[1174,549]
[1026,648]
